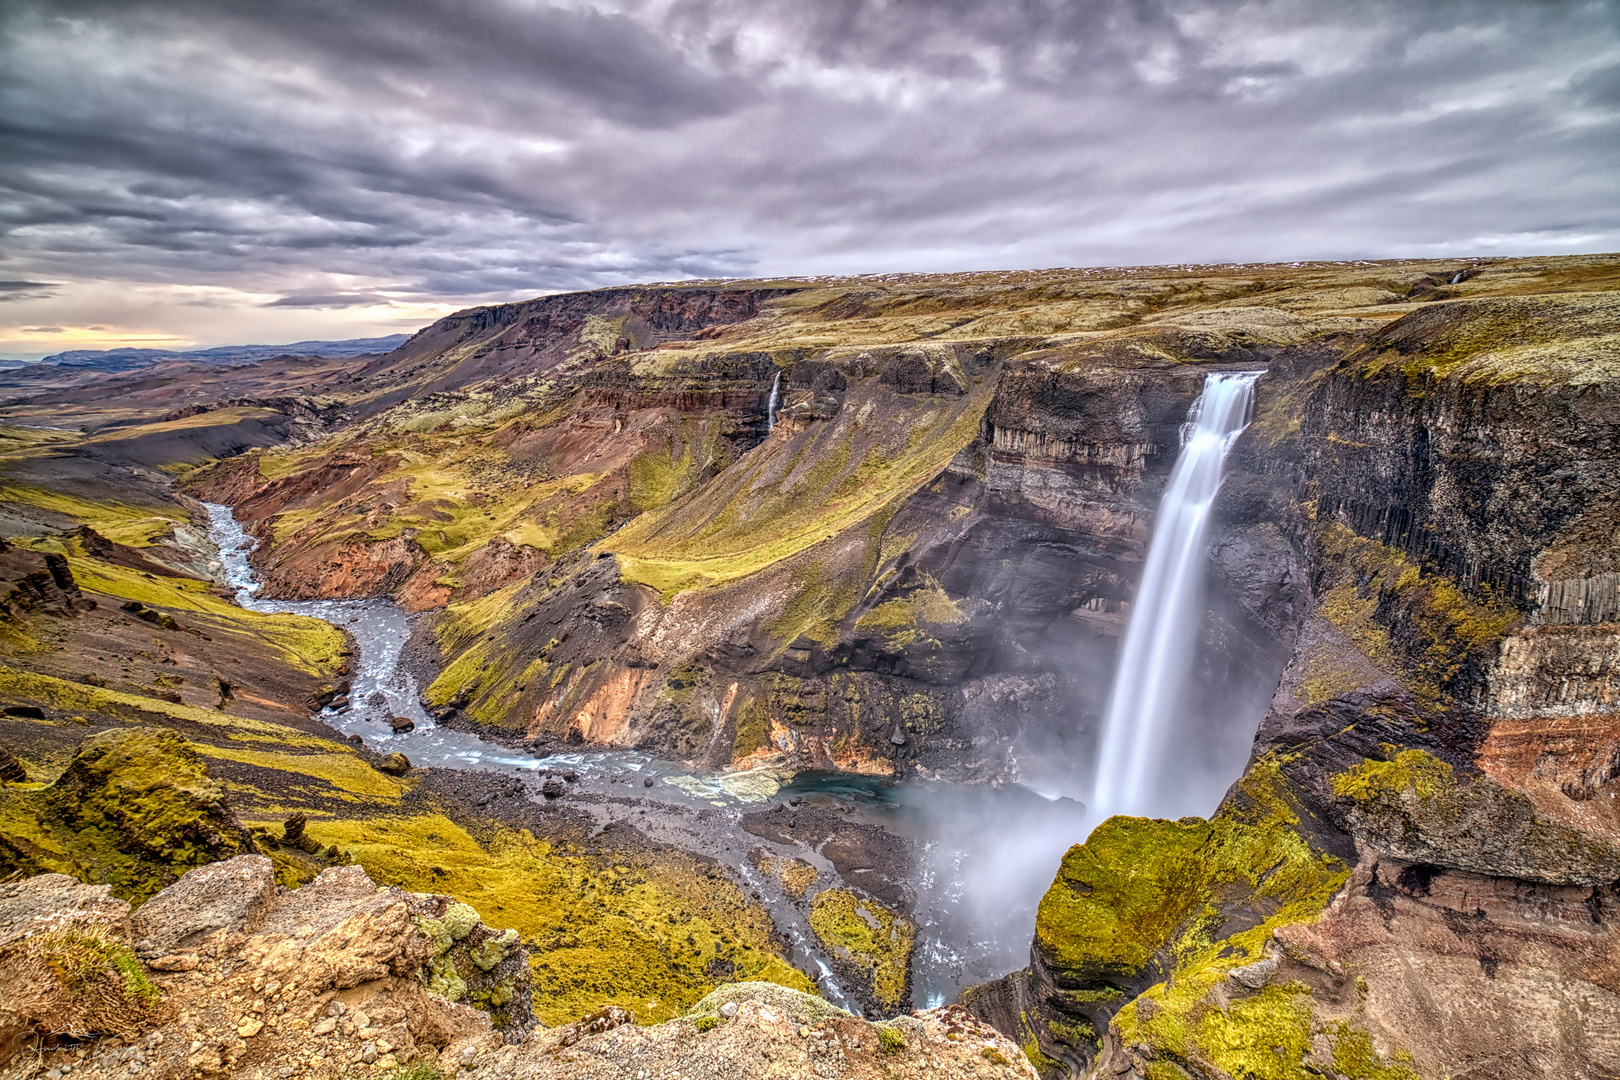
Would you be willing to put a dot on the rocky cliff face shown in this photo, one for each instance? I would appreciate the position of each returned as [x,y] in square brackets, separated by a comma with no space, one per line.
[1449,856]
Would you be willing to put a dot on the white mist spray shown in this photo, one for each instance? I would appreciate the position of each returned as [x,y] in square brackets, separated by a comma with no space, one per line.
[770,405]
[1168,609]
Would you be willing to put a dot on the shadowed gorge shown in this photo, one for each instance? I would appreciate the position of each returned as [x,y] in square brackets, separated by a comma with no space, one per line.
[733,661]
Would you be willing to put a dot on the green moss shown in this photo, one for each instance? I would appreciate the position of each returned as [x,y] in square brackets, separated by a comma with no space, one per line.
[1266,1036]
[706,1023]
[926,604]
[339,767]
[135,810]
[753,729]
[443,978]
[1416,771]
[487,955]
[838,477]
[1044,1065]
[631,930]
[1406,620]
[75,697]
[1123,895]
[890,1039]
[1141,892]
[1355,1057]
[868,936]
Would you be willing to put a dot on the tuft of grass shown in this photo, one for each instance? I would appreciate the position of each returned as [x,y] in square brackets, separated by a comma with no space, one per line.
[890,1040]
[416,1070]
[82,956]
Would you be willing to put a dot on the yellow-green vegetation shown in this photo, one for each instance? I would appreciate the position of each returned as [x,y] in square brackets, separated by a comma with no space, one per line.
[1141,892]
[107,518]
[83,956]
[1567,338]
[1266,1035]
[1355,1057]
[468,631]
[78,979]
[902,618]
[825,589]
[1418,624]
[452,477]
[1416,771]
[796,876]
[891,1040]
[309,644]
[464,967]
[1044,1064]
[416,1070]
[135,809]
[636,930]
[331,763]
[867,936]
[68,696]
[822,483]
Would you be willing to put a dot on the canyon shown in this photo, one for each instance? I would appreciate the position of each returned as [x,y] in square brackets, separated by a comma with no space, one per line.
[771,592]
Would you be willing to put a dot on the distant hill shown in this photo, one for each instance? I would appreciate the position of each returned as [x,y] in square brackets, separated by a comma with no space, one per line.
[131,359]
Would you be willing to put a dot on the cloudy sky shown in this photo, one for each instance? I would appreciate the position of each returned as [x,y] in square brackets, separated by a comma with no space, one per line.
[198,172]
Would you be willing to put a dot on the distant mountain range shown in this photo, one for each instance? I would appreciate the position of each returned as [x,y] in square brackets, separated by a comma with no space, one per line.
[131,359]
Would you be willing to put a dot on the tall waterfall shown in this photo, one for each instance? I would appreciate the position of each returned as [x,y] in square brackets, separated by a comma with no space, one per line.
[1169,605]
[775,399]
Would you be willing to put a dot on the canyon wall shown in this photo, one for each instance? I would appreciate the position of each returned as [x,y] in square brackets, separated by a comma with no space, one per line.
[924,567]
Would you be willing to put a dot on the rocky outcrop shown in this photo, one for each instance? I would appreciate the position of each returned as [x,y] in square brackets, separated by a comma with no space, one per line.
[224,971]
[766,1031]
[230,974]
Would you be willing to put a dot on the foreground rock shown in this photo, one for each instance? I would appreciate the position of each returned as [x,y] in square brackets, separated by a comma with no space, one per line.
[224,972]
[763,1032]
[229,975]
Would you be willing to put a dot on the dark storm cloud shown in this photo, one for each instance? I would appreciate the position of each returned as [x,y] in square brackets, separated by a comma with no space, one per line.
[439,149]
[25,290]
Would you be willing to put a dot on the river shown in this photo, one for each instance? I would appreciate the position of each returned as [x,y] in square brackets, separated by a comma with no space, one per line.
[986,855]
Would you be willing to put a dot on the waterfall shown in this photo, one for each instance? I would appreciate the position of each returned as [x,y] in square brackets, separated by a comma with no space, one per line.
[775,399]
[1168,609]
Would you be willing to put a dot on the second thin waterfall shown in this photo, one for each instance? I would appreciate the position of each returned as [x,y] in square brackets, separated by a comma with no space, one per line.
[775,400]
[1168,610]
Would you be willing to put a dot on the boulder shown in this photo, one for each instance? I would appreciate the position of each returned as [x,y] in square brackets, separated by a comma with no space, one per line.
[234,895]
